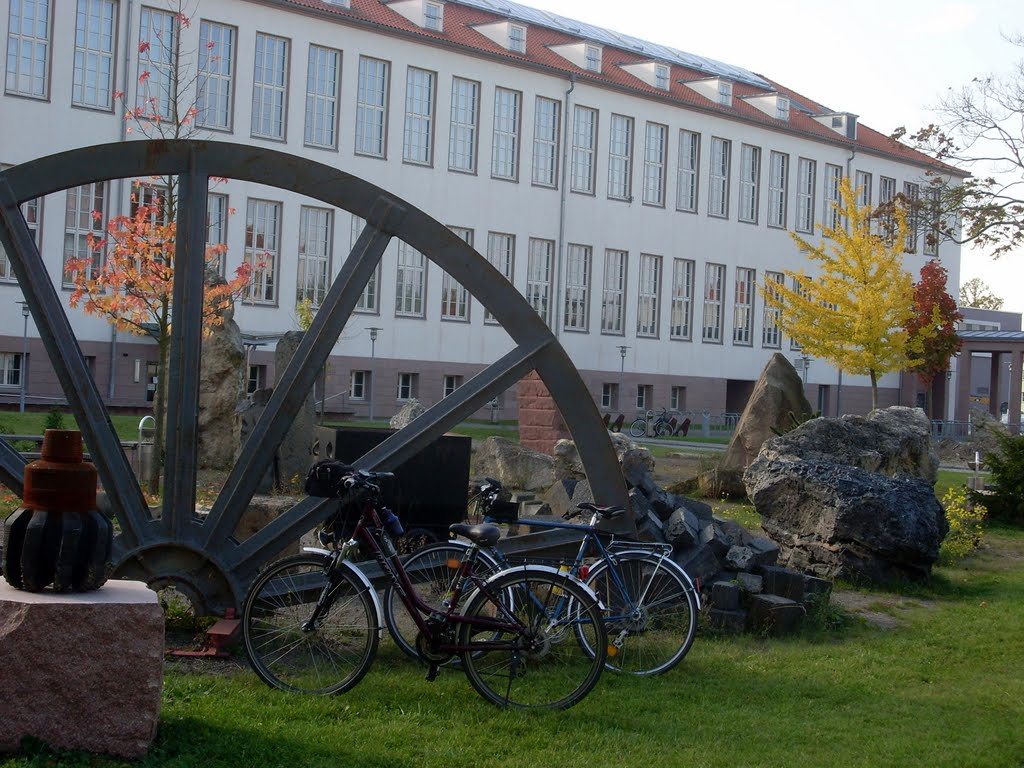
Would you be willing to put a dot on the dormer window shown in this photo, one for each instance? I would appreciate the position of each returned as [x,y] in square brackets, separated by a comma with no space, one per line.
[782,108]
[432,16]
[340,3]
[593,58]
[661,75]
[516,38]
[725,93]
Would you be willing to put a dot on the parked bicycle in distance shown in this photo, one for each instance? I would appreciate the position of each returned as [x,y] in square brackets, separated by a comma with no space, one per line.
[651,605]
[661,426]
[528,636]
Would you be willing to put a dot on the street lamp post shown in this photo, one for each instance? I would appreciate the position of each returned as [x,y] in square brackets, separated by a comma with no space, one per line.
[805,362]
[24,354]
[373,351]
[622,371]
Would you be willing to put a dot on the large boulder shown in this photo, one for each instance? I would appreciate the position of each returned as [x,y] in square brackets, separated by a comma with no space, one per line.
[220,379]
[295,453]
[852,497]
[892,441]
[407,414]
[513,465]
[776,402]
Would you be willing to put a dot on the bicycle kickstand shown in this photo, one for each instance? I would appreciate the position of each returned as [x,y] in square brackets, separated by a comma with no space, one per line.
[432,671]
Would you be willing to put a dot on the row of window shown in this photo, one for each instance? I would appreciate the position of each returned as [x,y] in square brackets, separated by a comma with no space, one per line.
[408,385]
[644,398]
[27,75]
[659,279]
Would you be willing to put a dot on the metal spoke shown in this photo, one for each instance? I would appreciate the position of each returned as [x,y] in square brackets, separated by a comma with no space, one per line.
[297,380]
[184,357]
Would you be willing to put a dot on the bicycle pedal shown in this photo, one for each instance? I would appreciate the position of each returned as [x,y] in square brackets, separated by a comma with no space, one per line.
[432,672]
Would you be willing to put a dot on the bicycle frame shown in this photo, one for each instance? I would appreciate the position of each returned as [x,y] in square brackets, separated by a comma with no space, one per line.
[370,532]
[609,555]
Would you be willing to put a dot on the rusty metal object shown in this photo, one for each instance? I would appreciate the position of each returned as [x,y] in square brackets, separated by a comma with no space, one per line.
[172,546]
[58,537]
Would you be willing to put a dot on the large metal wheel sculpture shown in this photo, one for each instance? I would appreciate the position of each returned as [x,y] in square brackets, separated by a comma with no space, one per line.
[172,546]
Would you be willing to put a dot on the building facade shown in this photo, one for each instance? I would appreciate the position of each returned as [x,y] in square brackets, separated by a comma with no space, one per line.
[636,195]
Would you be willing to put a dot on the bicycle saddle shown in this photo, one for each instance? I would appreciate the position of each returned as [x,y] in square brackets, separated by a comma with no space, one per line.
[484,534]
[609,513]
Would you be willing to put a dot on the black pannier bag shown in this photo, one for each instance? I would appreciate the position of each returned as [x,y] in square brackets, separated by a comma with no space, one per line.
[325,478]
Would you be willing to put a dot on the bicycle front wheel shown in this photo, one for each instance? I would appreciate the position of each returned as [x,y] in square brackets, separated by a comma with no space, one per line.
[543,662]
[288,652]
[432,571]
[651,614]
[638,428]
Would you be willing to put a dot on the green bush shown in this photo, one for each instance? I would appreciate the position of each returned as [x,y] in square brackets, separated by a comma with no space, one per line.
[54,419]
[1005,499]
[965,519]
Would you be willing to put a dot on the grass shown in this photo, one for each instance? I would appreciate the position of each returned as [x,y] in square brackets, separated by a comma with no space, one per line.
[478,430]
[943,689]
[34,423]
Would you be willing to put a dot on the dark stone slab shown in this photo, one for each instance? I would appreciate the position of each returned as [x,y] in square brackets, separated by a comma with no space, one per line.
[774,615]
[725,596]
[729,622]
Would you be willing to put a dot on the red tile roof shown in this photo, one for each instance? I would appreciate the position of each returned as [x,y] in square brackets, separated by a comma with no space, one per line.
[458,31]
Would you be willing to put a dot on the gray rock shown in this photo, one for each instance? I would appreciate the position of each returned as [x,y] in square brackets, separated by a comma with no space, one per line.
[711,536]
[732,532]
[295,453]
[513,465]
[699,562]
[681,528]
[837,521]
[637,464]
[725,596]
[766,551]
[890,442]
[774,615]
[784,582]
[749,583]
[409,412]
[740,558]
[777,399]
[650,528]
[729,622]
[220,387]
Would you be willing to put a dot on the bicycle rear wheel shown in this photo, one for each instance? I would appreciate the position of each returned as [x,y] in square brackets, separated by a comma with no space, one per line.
[327,658]
[651,617]
[544,663]
[638,428]
[432,571]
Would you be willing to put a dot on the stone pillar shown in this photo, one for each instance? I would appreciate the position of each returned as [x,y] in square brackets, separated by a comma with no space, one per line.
[1013,414]
[995,391]
[540,423]
[963,385]
[81,670]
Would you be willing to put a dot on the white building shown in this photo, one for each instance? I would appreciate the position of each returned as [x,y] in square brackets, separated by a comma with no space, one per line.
[637,195]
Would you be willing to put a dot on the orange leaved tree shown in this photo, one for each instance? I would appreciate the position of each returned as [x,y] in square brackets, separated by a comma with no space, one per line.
[133,289]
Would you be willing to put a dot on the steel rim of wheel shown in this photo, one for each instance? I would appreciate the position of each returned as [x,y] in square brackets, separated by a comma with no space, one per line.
[172,544]
[651,637]
[548,668]
[327,659]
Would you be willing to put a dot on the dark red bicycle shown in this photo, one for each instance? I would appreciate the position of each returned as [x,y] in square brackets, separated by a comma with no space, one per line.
[312,622]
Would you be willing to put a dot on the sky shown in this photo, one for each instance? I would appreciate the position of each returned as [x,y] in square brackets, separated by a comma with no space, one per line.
[884,61]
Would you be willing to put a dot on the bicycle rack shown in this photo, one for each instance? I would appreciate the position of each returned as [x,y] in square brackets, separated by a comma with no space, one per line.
[172,546]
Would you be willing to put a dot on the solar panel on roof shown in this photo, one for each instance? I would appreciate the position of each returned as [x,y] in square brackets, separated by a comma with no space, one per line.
[600,35]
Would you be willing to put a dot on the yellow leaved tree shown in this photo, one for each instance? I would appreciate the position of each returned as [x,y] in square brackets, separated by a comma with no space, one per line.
[853,310]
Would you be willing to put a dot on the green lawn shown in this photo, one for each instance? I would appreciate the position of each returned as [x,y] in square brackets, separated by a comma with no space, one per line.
[34,423]
[942,689]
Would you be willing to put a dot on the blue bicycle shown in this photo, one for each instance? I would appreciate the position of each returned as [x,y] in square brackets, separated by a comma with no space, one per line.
[650,603]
